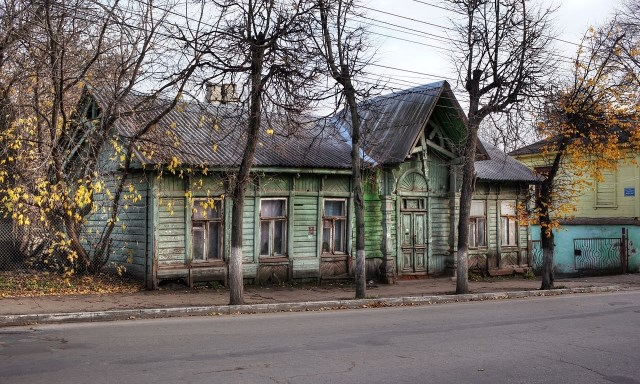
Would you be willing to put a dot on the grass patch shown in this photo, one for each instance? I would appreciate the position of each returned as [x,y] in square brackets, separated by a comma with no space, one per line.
[33,283]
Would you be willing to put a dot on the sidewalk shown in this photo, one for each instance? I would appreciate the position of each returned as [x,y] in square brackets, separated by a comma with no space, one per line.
[181,301]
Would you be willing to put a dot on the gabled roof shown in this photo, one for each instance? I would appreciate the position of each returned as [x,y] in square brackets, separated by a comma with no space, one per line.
[392,123]
[501,167]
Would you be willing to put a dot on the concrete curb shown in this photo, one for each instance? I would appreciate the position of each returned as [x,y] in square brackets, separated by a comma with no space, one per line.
[154,313]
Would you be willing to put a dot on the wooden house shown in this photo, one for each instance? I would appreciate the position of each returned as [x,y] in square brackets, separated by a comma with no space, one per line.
[298,219]
[603,232]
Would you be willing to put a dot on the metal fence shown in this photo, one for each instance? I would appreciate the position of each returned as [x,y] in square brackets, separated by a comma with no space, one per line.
[10,255]
[591,255]
[600,254]
[31,249]
[536,256]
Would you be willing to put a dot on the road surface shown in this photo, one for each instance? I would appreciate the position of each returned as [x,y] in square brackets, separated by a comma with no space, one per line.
[564,339]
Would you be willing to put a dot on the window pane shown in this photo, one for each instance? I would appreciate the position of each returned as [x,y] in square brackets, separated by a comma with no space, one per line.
[333,208]
[197,251]
[508,208]
[272,208]
[477,208]
[472,233]
[481,241]
[512,232]
[264,237]
[207,209]
[503,230]
[338,237]
[278,237]
[214,240]
[411,204]
[326,236]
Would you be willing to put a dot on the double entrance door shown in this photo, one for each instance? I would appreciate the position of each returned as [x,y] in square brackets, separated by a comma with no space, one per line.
[413,227]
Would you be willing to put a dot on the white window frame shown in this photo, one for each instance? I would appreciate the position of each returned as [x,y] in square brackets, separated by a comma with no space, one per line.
[332,219]
[613,181]
[474,234]
[205,223]
[272,221]
[508,217]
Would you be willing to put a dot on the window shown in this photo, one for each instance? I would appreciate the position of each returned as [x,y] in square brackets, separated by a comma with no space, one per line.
[606,190]
[206,229]
[334,227]
[273,227]
[478,224]
[413,204]
[508,223]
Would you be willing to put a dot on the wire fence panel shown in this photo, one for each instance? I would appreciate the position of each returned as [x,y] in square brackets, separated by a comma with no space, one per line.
[536,256]
[601,254]
[34,248]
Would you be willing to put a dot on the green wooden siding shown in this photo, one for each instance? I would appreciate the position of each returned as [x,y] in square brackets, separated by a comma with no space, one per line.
[248,223]
[275,183]
[337,184]
[308,183]
[305,216]
[440,213]
[171,230]
[438,174]
[207,186]
[373,225]
[128,236]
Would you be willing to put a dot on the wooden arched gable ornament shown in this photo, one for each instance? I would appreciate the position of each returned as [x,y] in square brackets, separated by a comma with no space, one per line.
[412,182]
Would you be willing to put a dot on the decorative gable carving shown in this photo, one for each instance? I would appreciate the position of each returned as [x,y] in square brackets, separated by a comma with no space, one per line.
[413,182]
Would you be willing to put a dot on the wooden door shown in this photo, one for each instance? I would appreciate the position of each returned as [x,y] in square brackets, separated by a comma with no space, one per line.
[414,245]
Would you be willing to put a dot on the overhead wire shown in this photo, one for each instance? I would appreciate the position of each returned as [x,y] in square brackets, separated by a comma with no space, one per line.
[396,80]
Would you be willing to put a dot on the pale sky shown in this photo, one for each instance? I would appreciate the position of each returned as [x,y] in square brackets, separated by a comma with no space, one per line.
[427,55]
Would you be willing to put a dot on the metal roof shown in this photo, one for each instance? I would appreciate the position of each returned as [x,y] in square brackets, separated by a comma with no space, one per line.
[623,136]
[215,135]
[501,167]
[392,123]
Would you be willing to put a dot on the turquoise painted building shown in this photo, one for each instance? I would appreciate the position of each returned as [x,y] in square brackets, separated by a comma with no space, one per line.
[592,241]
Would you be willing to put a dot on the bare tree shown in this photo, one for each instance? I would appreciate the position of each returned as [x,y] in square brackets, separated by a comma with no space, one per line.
[502,56]
[53,143]
[509,131]
[342,48]
[258,46]
[628,54]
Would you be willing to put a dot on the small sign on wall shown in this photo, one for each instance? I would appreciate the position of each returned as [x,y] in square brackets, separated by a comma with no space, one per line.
[629,191]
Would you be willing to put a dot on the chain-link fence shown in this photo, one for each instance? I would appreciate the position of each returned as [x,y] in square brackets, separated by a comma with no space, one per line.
[11,258]
[38,249]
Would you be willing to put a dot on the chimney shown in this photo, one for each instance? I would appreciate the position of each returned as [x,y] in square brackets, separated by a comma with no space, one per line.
[221,93]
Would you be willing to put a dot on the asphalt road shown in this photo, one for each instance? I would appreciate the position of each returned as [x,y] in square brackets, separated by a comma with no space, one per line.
[563,339]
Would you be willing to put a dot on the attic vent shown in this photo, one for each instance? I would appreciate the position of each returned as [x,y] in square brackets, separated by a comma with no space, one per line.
[221,93]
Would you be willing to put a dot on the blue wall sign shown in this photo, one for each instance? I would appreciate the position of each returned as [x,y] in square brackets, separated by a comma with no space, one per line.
[629,191]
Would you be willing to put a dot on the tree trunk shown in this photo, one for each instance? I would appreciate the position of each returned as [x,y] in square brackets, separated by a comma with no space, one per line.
[236,283]
[546,232]
[358,195]
[544,206]
[466,193]
[236,280]
[468,183]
